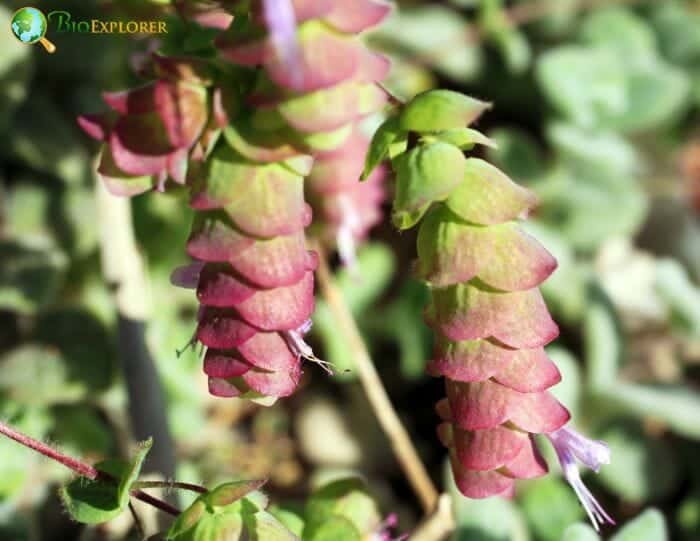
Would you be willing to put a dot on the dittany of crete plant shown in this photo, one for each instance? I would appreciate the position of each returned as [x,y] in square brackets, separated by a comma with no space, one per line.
[489,319]
[242,139]
[281,98]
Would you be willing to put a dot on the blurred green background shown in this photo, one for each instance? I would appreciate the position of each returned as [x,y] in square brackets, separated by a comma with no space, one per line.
[596,108]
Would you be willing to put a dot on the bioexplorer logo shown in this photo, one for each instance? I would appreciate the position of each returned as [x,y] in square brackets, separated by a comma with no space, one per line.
[29,25]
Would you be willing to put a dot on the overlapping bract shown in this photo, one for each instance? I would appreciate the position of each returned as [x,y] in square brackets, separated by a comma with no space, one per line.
[242,139]
[489,318]
[322,84]
[345,209]
[257,295]
[151,131]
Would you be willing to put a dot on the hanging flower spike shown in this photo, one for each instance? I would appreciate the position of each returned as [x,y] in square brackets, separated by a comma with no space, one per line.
[254,276]
[490,320]
[569,446]
[345,208]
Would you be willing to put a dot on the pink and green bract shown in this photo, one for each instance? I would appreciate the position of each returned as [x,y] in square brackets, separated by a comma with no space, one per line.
[151,131]
[322,81]
[257,303]
[490,322]
[241,135]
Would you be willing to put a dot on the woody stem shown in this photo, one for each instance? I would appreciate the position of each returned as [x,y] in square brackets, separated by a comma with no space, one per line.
[376,393]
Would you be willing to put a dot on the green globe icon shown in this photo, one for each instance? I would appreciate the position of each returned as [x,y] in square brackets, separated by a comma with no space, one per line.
[29,26]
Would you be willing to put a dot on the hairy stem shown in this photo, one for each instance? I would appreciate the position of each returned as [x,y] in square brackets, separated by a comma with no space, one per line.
[170,485]
[155,502]
[82,469]
[376,393]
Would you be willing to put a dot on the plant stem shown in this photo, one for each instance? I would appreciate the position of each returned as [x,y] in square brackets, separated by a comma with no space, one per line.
[137,521]
[124,269]
[438,525]
[82,469]
[170,485]
[376,393]
[155,502]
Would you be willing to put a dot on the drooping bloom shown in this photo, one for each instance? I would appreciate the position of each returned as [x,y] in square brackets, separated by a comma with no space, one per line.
[345,209]
[326,84]
[150,131]
[256,288]
[489,318]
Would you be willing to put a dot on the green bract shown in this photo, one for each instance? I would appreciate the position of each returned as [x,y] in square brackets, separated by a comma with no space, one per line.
[228,513]
[440,110]
[425,174]
[341,511]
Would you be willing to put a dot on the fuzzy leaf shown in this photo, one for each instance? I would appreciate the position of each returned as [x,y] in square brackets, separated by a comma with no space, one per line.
[98,501]
[580,532]
[387,133]
[345,499]
[335,528]
[216,516]
[678,406]
[649,526]
[492,519]
[603,341]
[418,31]
[629,474]
[550,506]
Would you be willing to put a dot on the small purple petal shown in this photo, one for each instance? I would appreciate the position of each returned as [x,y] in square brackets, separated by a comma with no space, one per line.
[570,445]
[187,276]
[297,345]
[592,453]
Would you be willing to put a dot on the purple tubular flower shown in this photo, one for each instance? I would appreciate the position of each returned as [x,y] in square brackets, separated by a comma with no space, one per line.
[282,25]
[187,276]
[569,446]
[383,531]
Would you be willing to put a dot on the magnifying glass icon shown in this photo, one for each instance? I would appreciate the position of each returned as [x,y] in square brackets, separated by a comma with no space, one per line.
[29,26]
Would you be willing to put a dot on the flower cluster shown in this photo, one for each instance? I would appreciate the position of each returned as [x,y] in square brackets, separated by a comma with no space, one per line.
[322,82]
[241,136]
[256,288]
[489,318]
[345,209]
[152,131]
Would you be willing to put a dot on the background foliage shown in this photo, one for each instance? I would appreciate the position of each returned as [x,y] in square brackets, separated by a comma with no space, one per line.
[596,108]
